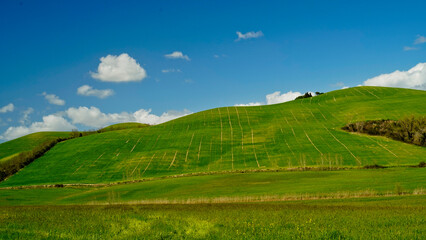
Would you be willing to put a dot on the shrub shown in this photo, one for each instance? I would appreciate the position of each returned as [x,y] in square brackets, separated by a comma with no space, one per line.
[410,129]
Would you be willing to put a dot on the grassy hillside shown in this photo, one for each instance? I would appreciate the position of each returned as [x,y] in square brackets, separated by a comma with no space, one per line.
[28,142]
[121,126]
[304,132]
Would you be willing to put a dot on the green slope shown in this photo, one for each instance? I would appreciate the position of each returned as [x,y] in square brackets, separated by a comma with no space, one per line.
[121,126]
[231,187]
[299,133]
[28,142]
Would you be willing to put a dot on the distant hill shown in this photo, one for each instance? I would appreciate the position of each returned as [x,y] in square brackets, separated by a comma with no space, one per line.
[26,143]
[303,132]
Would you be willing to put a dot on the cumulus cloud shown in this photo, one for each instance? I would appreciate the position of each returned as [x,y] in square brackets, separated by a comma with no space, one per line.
[53,99]
[277,97]
[248,104]
[177,55]
[413,78]
[249,35]
[122,68]
[49,123]
[90,117]
[171,70]
[93,117]
[420,40]
[8,108]
[87,90]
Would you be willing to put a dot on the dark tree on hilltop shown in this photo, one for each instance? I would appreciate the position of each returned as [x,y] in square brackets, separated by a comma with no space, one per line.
[306,95]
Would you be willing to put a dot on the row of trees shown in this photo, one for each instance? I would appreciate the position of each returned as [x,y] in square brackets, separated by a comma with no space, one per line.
[410,129]
[14,164]
[308,95]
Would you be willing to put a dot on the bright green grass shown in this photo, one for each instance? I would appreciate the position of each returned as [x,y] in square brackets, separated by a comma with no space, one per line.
[369,218]
[233,185]
[298,133]
[27,143]
[120,126]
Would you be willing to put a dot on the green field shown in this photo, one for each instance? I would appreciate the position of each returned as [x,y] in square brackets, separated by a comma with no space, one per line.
[233,187]
[367,218]
[284,171]
[303,133]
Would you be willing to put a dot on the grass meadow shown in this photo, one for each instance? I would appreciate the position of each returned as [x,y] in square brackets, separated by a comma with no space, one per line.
[365,218]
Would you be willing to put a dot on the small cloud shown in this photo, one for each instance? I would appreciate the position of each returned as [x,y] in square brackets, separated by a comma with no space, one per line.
[177,55]
[122,68]
[413,78]
[220,56]
[25,119]
[338,84]
[87,90]
[171,70]
[249,35]
[248,104]
[277,97]
[8,108]
[407,48]
[420,39]
[345,87]
[188,81]
[53,99]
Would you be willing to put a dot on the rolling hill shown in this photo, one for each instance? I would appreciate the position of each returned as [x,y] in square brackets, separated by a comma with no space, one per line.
[303,133]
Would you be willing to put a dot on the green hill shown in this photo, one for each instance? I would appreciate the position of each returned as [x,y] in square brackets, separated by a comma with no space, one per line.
[26,143]
[304,132]
[121,126]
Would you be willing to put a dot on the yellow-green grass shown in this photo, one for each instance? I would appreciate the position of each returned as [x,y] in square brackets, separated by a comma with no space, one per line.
[232,187]
[121,126]
[27,143]
[304,132]
[368,218]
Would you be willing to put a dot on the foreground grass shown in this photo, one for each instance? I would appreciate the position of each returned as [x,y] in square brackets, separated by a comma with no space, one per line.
[369,218]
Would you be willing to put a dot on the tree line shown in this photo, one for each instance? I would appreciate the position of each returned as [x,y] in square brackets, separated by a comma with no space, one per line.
[409,129]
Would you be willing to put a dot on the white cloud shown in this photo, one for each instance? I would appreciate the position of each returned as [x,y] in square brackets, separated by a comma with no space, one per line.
[248,104]
[420,39]
[170,70]
[406,48]
[8,108]
[249,35]
[90,117]
[53,99]
[177,55]
[49,123]
[87,90]
[277,97]
[26,116]
[413,78]
[93,117]
[122,68]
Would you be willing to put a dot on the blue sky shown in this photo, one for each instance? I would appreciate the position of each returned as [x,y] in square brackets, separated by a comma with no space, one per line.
[49,49]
